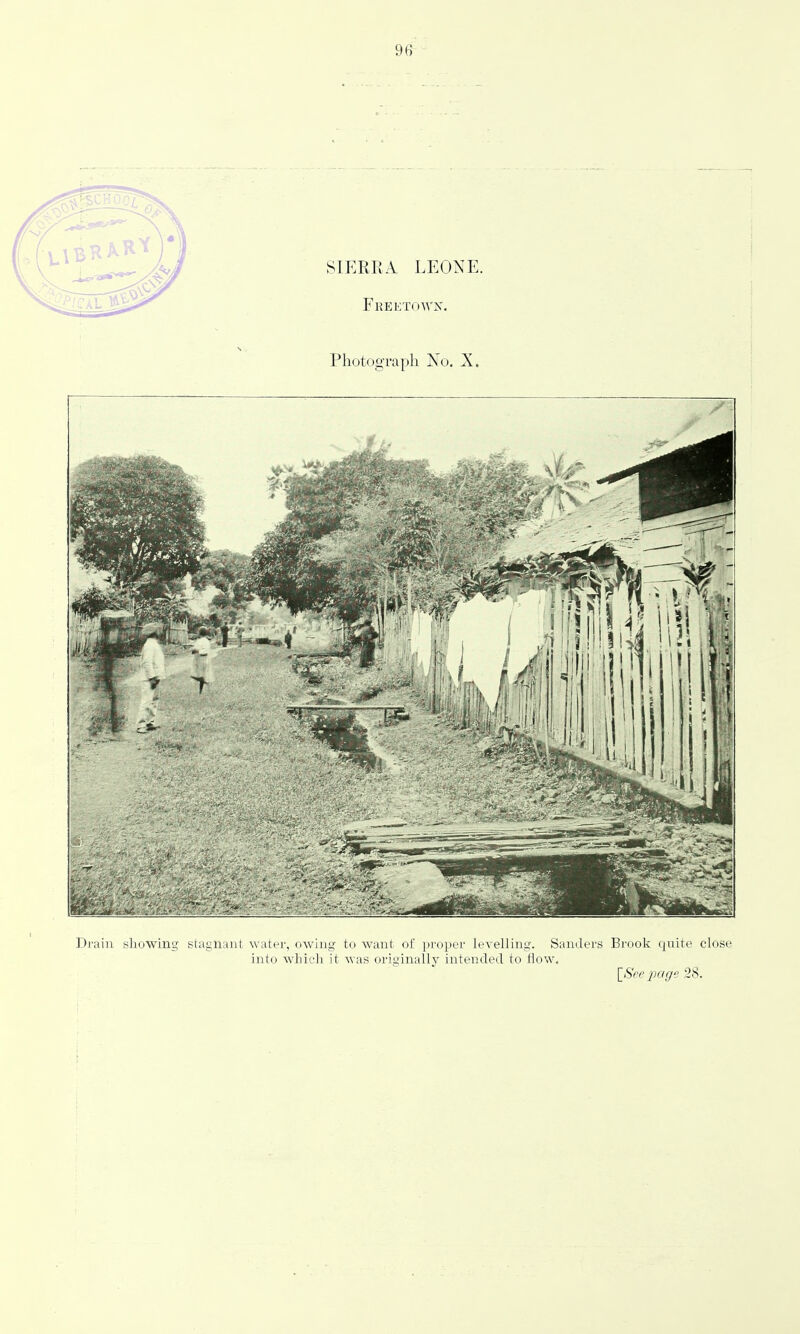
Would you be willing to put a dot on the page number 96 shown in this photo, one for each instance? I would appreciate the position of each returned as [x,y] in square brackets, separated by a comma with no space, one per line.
[404,49]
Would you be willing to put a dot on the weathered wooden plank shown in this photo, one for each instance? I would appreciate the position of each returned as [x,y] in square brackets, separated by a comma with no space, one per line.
[565,828]
[572,684]
[597,680]
[477,860]
[721,507]
[345,708]
[656,575]
[619,710]
[655,684]
[708,700]
[647,702]
[627,697]
[586,722]
[636,676]
[670,646]
[661,535]
[605,652]
[696,688]
[686,706]
[721,682]
[562,717]
[495,842]
[666,677]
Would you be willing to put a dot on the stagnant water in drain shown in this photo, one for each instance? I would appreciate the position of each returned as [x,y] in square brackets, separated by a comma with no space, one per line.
[344,734]
[559,891]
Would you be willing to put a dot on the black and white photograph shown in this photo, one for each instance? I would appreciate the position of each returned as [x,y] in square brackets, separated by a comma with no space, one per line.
[377,657]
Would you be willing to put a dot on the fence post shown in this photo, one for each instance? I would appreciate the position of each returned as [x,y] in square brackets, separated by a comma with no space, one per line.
[721,683]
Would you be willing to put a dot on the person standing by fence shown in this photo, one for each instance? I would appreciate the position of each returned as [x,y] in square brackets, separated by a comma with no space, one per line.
[225,635]
[366,634]
[153,671]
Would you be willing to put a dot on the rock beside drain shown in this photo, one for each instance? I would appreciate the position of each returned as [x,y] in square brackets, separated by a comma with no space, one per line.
[412,885]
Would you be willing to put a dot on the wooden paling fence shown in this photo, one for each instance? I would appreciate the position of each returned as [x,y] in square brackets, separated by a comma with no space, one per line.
[85,635]
[644,683]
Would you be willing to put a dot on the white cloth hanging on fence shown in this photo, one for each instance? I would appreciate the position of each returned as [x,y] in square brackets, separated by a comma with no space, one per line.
[527,631]
[485,639]
[425,632]
[421,626]
[455,640]
[414,634]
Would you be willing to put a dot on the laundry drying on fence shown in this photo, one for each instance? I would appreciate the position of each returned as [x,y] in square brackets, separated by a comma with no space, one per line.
[421,639]
[455,640]
[526,631]
[485,644]
[639,681]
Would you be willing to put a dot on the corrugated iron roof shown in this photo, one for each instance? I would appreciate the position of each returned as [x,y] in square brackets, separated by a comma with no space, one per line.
[719,421]
[610,520]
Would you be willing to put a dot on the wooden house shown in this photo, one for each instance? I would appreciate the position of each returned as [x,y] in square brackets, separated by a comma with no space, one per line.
[686,503]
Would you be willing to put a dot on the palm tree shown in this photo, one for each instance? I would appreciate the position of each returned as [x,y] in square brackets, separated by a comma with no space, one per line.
[556,489]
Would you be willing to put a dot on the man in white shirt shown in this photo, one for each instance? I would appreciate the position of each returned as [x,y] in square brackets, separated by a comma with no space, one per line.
[153,669]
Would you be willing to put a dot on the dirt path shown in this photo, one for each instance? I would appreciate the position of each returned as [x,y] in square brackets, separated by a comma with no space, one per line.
[174,667]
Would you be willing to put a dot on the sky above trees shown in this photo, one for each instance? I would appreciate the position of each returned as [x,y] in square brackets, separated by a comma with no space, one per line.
[229,445]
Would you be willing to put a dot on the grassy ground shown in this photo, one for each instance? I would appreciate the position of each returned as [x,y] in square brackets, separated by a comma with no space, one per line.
[233,807]
[222,810]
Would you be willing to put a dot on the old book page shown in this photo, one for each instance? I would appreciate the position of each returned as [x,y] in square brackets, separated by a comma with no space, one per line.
[258,1076]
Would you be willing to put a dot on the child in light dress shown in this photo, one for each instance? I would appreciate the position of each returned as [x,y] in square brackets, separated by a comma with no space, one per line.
[202,668]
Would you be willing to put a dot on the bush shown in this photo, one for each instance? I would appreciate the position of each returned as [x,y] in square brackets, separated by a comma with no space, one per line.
[95,599]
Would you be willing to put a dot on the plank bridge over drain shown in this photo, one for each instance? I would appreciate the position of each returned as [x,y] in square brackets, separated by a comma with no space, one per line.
[398,711]
[458,847]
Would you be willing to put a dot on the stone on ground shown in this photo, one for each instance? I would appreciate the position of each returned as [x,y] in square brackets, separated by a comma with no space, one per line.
[413,885]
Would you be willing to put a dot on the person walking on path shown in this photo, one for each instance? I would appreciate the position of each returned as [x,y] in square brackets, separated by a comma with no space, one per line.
[225,635]
[202,670]
[287,638]
[153,670]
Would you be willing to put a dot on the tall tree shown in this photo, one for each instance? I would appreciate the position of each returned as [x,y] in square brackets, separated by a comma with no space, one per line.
[319,500]
[557,489]
[230,572]
[495,490]
[399,545]
[137,519]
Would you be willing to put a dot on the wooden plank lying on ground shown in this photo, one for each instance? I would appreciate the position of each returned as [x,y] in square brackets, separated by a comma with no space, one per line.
[565,827]
[479,860]
[565,822]
[413,842]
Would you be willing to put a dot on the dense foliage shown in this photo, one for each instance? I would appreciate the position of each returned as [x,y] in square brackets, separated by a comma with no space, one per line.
[138,519]
[368,530]
[95,599]
[230,573]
